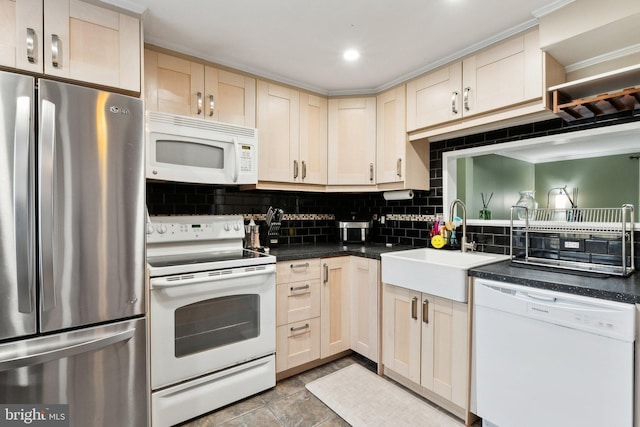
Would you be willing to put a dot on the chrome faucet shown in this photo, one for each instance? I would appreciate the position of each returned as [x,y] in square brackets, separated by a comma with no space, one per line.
[464,246]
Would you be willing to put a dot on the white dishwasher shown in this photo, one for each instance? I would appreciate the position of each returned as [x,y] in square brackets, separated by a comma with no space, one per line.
[546,358]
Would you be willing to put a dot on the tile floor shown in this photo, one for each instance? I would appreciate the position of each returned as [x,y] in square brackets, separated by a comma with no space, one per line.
[289,403]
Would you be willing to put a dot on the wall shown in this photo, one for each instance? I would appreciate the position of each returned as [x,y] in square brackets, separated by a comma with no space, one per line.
[408,221]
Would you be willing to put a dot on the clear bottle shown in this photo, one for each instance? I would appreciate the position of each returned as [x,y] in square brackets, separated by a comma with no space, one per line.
[527,199]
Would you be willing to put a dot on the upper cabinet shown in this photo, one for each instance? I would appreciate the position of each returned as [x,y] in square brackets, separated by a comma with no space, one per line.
[21,43]
[278,127]
[179,86]
[400,164]
[293,137]
[504,75]
[506,80]
[352,141]
[72,39]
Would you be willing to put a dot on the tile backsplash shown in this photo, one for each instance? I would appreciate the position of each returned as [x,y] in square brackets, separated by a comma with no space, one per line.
[407,221]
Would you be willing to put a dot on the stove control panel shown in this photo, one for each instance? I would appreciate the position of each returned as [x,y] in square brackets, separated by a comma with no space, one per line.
[164,229]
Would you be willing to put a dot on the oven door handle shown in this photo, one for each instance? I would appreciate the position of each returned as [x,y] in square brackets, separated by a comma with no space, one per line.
[167,283]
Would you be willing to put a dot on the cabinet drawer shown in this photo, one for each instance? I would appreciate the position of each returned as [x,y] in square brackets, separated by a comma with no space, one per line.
[297,301]
[297,343]
[298,270]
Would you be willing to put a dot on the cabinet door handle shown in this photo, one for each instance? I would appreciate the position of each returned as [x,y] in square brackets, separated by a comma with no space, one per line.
[211,105]
[31,45]
[305,265]
[425,311]
[199,102]
[300,328]
[454,97]
[304,169]
[55,50]
[466,98]
[326,273]
[414,308]
[299,288]
[371,172]
[399,168]
[295,169]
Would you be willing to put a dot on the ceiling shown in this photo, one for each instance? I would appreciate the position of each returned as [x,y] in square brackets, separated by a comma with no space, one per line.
[301,42]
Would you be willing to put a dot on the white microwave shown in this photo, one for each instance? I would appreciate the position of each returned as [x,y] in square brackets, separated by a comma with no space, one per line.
[186,149]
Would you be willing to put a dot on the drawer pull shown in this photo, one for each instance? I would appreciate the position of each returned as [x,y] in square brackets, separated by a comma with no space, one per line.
[299,288]
[31,45]
[300,328]
[55,50]
[414,308]
[305,265]
[199,102]
[454,97]
[425,311]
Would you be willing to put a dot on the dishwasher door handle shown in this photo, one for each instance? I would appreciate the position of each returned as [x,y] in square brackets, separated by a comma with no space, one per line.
[541,298]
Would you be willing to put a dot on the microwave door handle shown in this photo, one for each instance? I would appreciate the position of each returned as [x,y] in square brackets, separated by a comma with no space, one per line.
[47,208]
[236,147]
[22,194]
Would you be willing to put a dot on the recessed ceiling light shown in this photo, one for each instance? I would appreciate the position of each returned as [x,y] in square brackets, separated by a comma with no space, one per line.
[351,54]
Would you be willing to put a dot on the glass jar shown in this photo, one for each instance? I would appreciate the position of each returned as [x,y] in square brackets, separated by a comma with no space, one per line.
[528,200]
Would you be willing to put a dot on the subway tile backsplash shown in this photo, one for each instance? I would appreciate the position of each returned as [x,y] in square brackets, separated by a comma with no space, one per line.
[407,222]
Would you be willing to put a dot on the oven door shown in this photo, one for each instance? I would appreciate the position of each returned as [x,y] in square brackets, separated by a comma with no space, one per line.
[204,322]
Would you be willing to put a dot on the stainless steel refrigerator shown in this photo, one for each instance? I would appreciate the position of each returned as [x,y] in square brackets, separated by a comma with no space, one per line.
[72,323]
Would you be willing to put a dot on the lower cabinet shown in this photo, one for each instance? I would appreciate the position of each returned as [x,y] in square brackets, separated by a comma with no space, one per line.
[426,341]
[365,307]
[297,313]
[324,307]
[335,314]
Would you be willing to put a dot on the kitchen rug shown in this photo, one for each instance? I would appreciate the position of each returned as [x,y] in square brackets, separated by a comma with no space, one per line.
[364,399]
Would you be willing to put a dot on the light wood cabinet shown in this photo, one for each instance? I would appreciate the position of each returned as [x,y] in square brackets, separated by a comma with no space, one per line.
[312,153]
[22,26]
[293,135]
[401,343]
[297,313]
[400,164]
[179,86]
[365,286]
[434,97]
[352,141]
[445,349]
[335,304]
[505,74]
[426,340]
[72,39]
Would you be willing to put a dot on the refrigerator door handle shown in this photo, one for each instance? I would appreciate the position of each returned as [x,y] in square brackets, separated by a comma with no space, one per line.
[47,206]
[48,354]
[23,237]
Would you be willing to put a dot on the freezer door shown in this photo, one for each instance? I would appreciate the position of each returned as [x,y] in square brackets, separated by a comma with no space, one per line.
[17,241]
[100,372]
[91,205]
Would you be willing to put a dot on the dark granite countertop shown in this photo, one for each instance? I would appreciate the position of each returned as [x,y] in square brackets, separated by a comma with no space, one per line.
[325,250]
[614,288]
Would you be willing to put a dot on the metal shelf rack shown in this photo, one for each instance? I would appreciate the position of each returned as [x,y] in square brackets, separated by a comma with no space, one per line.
[614,222]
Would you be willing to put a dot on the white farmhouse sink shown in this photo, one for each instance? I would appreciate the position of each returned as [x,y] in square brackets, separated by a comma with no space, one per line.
[433,271]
